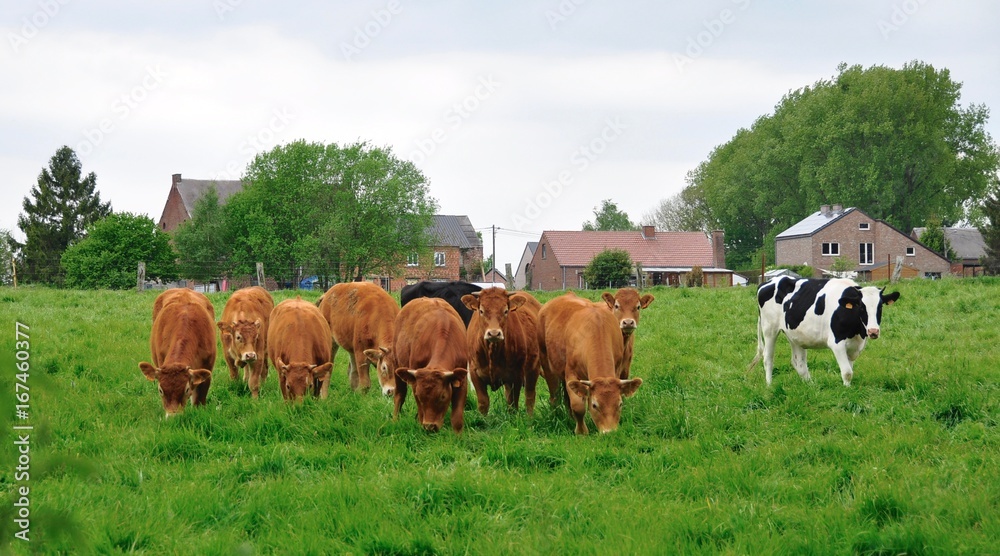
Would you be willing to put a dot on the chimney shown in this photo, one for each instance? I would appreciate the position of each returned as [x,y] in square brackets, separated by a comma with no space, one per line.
[837,209]
[718,249]
[824,210]
[177,179]
[649,232]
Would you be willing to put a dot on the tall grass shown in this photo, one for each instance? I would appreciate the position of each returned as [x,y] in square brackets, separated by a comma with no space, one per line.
[707,460]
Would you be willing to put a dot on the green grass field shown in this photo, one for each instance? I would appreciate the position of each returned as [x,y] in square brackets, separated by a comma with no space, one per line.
[707,459]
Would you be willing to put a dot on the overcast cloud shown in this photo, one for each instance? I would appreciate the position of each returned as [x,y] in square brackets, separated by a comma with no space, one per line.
[523,115]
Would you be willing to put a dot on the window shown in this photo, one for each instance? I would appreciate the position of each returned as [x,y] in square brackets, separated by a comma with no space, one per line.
[911,252]
[932,275]
[385,282]
[831,249]
[412,259]
[439,258]
[866,253]
[543,250]
[864,226]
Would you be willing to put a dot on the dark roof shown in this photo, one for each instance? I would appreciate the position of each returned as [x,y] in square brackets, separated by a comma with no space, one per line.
[814,223]
[665,249]
[532,246]
[192,190]
[967,243]
[455,231]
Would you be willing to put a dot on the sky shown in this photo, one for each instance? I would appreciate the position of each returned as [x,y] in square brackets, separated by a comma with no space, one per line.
[522,115]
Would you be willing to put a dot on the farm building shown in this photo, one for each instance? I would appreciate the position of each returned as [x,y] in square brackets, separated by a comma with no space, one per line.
[185,193]
[522,274]
[834,232]
[968,246]
[664,257]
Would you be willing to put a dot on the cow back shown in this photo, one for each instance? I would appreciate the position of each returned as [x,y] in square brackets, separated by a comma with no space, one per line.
[429,333]
[298,333]
[359,313]
[183,330]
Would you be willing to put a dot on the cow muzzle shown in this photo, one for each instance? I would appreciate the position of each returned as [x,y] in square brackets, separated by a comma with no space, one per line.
[388,391]
[873,333]
[628,326]
[249,357]
[493,335]
[432,427]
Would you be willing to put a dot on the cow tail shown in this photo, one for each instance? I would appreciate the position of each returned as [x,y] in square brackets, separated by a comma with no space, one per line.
[760,346]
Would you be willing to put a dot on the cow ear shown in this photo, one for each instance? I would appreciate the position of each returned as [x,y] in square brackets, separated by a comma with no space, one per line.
[645,300]
[224,327]
[609,299]
[630,386]
[471,301]
[199,375]
[373,355]
[891,298]
[149,371]
[257,323]
[281,365]
[406,375]
[515,300]
[457,377]
[321,372]
[579,387]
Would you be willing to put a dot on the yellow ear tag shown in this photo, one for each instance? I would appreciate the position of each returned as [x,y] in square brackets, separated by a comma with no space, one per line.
[457,384]
[849,305]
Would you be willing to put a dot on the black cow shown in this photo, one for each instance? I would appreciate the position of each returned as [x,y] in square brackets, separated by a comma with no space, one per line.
[451,292]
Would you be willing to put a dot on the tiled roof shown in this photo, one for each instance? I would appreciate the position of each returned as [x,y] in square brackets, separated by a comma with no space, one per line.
[813,223]
[192,190]
[666,249]
[455,231]
[967,243]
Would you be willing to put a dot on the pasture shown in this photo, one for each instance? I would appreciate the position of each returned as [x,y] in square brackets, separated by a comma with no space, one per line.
[707,458]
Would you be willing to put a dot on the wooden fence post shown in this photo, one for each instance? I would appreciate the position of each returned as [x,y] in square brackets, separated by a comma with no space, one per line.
[140,277]
[896,272]
[260,276]
[13,269]
[510,277]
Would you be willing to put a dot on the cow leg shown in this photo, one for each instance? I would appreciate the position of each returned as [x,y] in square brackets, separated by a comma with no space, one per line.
[352,371]
[769,337]
[362,368]
[458,397]
[398,397]
[482,391]
[199,394]
[231,364]
[799,361]
[513,393]
[254,374]
[578,406]
[530,381]
[846,364]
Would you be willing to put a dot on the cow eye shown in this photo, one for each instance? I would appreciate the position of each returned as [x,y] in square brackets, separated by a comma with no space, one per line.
[480,310]
[239,338]
[593,404]
[617,306]
[637,307]
[160,388]
[505,311]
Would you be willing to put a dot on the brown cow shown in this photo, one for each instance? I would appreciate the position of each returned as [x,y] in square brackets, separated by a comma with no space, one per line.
[431,353]
[503,346]
[362,317]
[244,335]
[182,344]
[625,304]
[298,343]
[581,350]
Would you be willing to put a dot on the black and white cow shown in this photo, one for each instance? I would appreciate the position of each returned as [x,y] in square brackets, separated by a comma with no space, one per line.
[833,314]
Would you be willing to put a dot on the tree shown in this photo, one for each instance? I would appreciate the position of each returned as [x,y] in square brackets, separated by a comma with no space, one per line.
[204,251]
[608,217]
[933,238]
[110,253]
[610,268]
[675,214]
[60,208]
[8,249]
[991,233]
[892,142]
[342,211]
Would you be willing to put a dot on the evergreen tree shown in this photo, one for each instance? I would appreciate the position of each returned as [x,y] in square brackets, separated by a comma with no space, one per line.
[60,208]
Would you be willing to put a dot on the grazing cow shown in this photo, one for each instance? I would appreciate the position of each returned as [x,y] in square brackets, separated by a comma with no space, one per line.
[362,318]
[451,292]
[298,343]
[625,304]
[244,335]
[503,346]
[431,353]
[581,350]
[182,344]
[833,314]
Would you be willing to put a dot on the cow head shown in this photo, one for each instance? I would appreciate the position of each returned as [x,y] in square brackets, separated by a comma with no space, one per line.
[493,305]
[435,390]
[175,383]
[603,397]
[385,364]
[242,339]
[874,298]
[298,378]
[626,304]
[860,312]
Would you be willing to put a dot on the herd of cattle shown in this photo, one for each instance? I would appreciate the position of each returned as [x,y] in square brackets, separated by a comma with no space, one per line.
[446,335]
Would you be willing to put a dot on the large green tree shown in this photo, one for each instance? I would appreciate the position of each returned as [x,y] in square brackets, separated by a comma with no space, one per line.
[204,250]
[608,217]
[934,239]
[110,253]
[895,143]
[675,214]
[334,211]
[610,268]
[60,207]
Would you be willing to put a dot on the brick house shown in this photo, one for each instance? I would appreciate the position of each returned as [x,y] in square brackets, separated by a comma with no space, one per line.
[664,257]
[522,274]
[968,246]
[185,193]
[870,244]
[455,255]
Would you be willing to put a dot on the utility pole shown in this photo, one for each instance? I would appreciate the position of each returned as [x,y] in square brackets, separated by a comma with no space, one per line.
[493,276]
